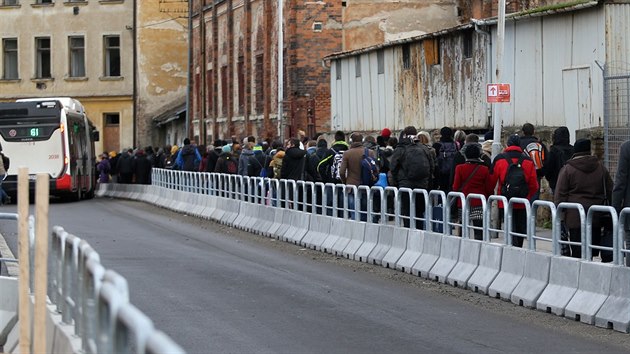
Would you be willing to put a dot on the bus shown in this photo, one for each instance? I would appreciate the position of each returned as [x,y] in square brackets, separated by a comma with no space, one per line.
[53,136]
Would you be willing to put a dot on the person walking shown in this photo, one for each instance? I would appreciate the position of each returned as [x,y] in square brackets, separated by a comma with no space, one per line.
[585,180]
[473,176]
[515,175]
[561,151]
[103,169]
[411,167]
[142,168]
[188,158]
[621,189]
[351,171]
[125,167]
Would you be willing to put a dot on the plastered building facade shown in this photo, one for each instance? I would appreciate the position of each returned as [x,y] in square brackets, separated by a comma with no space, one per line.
[124,60]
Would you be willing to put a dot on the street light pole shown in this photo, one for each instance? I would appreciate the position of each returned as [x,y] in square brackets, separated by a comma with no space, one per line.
[496,144]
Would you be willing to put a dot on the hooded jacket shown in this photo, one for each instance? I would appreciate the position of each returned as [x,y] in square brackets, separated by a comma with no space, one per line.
[188,158]
[499,171]
[293,164]
[244,161]
[560,152]
[350,170]
[582,180]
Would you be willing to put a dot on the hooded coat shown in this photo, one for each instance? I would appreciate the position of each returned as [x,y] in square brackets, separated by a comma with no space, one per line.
[583,180]
[560,152]
[293,164]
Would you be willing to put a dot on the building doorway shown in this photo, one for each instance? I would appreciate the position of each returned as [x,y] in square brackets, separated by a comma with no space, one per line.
[111,132]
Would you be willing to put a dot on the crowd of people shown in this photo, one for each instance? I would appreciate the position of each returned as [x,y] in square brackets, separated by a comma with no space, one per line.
[455,161]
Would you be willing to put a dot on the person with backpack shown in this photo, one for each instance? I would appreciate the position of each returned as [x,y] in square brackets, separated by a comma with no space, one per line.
[515,175]
[329,166]
[446,150]
[586,181]
[536,150]
[227,162]
[188,158]
[245,166]
[621,190]
[358,168]
[559,153]
[411,167]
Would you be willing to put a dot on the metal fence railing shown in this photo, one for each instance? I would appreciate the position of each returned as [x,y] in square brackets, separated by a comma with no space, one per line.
[432,211]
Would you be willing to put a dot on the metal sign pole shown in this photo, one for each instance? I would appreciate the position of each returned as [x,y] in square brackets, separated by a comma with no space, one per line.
[498,123]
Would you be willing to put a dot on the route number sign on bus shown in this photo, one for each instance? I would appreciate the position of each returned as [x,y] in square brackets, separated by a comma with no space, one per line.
[497,93]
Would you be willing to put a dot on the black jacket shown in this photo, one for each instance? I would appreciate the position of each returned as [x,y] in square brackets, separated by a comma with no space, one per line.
[399,165]
[560,152]
[293,164]
[125,164]
[621,190]
[142,169]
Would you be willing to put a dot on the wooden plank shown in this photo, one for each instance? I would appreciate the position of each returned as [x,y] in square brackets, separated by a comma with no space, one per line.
[23,257]
[41,262]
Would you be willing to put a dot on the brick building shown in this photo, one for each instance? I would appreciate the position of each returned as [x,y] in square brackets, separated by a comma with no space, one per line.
[235,67]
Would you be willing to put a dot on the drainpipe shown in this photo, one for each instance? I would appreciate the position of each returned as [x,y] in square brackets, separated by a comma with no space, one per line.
[189,79]
[280,71]
[135,72]
[496,144]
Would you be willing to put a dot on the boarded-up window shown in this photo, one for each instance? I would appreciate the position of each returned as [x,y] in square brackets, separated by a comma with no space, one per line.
[209,91]
[260,104]
[197,93]
[467,47]
[432,51]
[380,61]
[406,56]
[224,91]
[357,66]
[338,69]
[240,73]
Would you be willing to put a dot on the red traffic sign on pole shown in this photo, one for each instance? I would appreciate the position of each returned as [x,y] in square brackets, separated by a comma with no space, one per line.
[497,93]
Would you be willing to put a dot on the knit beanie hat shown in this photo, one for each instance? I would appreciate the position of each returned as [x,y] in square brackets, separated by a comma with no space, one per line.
[386,133]
[582,146]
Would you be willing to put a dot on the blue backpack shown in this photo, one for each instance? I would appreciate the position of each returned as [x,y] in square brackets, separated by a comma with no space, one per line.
[369,169]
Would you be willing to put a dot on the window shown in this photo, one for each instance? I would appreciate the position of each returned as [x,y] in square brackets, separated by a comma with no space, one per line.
[77,56]
[467,50]
[338,69]
[406,56]
[9,2]
[357,66]
[10,59]
[380,61]
[42,60]
[209,92]
[112,55]
[112,119]
[317,26]
[432,51]
[43,2]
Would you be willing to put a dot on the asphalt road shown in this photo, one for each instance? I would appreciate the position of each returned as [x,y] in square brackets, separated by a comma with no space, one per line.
[214,289]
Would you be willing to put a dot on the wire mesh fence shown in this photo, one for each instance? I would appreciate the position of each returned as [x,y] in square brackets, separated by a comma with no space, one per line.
[616,111]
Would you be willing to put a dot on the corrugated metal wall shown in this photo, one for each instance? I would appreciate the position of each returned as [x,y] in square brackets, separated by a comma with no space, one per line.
[550,61]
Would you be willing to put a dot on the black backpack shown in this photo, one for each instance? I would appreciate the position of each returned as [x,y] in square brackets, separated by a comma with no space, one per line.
[416,163]
[515,185]
[446,157]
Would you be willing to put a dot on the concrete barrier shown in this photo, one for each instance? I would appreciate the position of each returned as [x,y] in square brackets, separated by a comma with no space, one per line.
[399,246]
[244,213]
[256,219]
[512,266]
[8,307]
[232,208]
[344,231]
[287,217]
[267,220]
[593,290]
[415,239]
[535,279]
[337,235]
[318,231]
[430,254]
[564,274]
[211,205]
[383,245]
[614,312]
[154,194]
[467,263]
[449,254]
[369,243]
[488,269]
[277,223]
[357,235]
[300,223]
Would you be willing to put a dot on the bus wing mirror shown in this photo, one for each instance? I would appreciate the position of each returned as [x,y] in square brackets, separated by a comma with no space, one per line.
[96,135]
